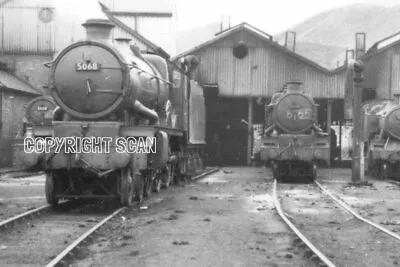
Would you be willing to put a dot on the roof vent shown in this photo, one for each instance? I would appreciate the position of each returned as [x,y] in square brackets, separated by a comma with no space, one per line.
[98,29]
[349,55]
[290,40]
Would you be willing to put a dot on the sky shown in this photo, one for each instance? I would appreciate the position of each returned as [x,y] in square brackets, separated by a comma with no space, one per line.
[270,16]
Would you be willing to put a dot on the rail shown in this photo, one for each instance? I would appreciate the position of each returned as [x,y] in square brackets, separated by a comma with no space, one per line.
[315,250]
[5,223]
[60,257]
[355,214]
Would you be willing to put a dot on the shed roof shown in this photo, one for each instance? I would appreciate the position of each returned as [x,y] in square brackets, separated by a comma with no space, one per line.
[133,32]
[376,49]
[9,81]
[385,43]
[261,35]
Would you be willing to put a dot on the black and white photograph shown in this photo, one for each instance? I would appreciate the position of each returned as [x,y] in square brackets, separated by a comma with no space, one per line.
[199,133]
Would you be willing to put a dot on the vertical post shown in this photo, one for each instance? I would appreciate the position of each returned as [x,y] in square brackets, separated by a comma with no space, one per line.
[360,44]
[358,144]
[1,113]
[328,126]
[250,131]
[340,140]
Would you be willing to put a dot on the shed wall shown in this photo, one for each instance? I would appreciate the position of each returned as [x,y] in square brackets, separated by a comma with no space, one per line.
[382,72]
[21,30]
[263,71]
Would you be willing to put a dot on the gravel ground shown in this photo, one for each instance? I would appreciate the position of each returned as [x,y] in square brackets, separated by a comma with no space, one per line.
[20,195]
[343,238]
[37,241]
[379,202]
[225,219]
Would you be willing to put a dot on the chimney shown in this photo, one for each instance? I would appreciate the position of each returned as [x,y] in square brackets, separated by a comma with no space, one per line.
[290,41]
[294,86]
[123,45]
[225,22]
[360,44]
[349,55]
[98,30]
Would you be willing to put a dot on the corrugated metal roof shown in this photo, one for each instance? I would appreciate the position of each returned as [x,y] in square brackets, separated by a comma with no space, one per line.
[262,35]
[11,82]
[386,42]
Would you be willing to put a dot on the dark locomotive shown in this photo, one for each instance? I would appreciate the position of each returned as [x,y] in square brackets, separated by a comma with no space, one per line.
[106,88]
[381,120]
[38,118]
[292,143]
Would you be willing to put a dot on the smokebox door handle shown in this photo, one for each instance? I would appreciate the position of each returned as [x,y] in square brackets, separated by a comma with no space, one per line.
[108,91]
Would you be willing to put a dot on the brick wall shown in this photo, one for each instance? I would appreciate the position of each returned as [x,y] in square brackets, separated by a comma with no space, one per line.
[29,68]
[12,112]
[13,109]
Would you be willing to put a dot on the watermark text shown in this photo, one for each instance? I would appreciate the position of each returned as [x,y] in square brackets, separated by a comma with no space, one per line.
[90,145]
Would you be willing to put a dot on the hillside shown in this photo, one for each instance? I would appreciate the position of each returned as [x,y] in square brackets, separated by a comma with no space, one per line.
[193,37]
[323,38]
[325,55]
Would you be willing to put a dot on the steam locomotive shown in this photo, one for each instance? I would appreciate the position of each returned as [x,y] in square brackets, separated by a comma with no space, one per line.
[105,88]
[292,142]
[38,118]
[382,135]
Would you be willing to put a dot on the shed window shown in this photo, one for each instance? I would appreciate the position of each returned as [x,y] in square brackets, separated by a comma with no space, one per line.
[240,51]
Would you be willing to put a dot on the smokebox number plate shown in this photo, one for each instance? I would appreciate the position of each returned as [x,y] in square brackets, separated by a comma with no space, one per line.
[91,66]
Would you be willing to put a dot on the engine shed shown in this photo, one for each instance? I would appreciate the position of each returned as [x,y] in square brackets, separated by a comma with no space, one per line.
[382,67]
[240,68]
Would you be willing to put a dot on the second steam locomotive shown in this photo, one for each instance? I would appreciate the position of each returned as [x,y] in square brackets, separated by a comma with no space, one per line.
[108,88]
[292,141]
[382,136]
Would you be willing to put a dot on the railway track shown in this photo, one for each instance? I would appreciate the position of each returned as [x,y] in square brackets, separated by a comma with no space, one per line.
[46,237]
[334,234]
[21,173]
